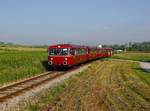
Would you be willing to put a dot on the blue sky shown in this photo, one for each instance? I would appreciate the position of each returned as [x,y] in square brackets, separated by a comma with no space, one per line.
[74,21]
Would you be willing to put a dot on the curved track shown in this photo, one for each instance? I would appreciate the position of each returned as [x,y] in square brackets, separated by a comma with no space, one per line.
[15,89]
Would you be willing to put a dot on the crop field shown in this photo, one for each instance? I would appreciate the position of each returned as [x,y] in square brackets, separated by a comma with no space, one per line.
[17,64]
[138,56]
[107,85]
[19,48]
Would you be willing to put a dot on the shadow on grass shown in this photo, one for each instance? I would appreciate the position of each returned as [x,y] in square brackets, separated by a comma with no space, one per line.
[45,65]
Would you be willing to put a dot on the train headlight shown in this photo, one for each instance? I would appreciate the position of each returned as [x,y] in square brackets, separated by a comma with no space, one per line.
[66,59]
[65,63]
[51,58]
[50,63]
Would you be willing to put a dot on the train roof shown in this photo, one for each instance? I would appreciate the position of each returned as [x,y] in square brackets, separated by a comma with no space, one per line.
[67,46]
[76,46]
[106,48]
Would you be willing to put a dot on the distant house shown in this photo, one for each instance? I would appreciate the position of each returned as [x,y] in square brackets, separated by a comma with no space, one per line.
[119,50]
[99,46]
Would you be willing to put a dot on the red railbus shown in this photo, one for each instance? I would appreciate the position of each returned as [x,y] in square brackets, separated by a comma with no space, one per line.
[68,55]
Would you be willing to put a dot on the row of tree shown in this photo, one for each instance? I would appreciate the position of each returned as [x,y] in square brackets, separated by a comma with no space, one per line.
[131,46]
[3,44]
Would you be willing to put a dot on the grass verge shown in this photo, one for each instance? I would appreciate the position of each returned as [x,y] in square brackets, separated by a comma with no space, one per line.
[49,95]
[17,65]
[138,56]
[104,86]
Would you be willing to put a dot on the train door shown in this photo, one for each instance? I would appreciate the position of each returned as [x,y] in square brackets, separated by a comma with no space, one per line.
[77,58]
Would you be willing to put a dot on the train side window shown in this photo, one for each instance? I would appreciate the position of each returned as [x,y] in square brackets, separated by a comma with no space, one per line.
[81,51]
[72,51]
[77,51]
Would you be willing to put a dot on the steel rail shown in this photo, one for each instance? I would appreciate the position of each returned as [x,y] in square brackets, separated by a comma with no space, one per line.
[15,89]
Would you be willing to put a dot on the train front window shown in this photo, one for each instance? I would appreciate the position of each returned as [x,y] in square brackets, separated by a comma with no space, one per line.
[58,51]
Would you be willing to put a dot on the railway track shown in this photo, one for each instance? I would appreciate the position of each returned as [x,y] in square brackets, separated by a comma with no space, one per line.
[16,89]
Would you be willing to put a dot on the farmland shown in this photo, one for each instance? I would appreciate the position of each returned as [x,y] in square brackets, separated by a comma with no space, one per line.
[137,56]
[106,85]
[20,63]
[19,48]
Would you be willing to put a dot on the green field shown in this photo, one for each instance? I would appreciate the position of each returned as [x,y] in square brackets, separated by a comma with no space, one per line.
[20,62]
[107,85]
[16,64]
[137,56]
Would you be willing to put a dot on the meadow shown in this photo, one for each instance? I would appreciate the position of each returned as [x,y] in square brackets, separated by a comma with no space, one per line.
[107,85]
[137,56]
[20,63]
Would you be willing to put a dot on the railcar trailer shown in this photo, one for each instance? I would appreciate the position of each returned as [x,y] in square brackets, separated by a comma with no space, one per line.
[67,55]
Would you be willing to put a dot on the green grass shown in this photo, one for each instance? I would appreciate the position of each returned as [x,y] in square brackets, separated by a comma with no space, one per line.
[46,96]
[16,65]
[139,56]
[105,85]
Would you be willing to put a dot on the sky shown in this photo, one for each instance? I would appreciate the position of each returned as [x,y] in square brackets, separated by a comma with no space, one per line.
[74,21]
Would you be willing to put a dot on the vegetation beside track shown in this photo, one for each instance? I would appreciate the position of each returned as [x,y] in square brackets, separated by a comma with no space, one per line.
[137,56]
[105,85]
[17,64]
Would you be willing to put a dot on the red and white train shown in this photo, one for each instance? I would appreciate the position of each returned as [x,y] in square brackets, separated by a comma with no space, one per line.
[68,55]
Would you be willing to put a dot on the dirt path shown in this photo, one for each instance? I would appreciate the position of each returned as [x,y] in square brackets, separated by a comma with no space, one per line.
[145,66]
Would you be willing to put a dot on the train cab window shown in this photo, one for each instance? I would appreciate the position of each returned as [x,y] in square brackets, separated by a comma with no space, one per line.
[57,51]
[64,51]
